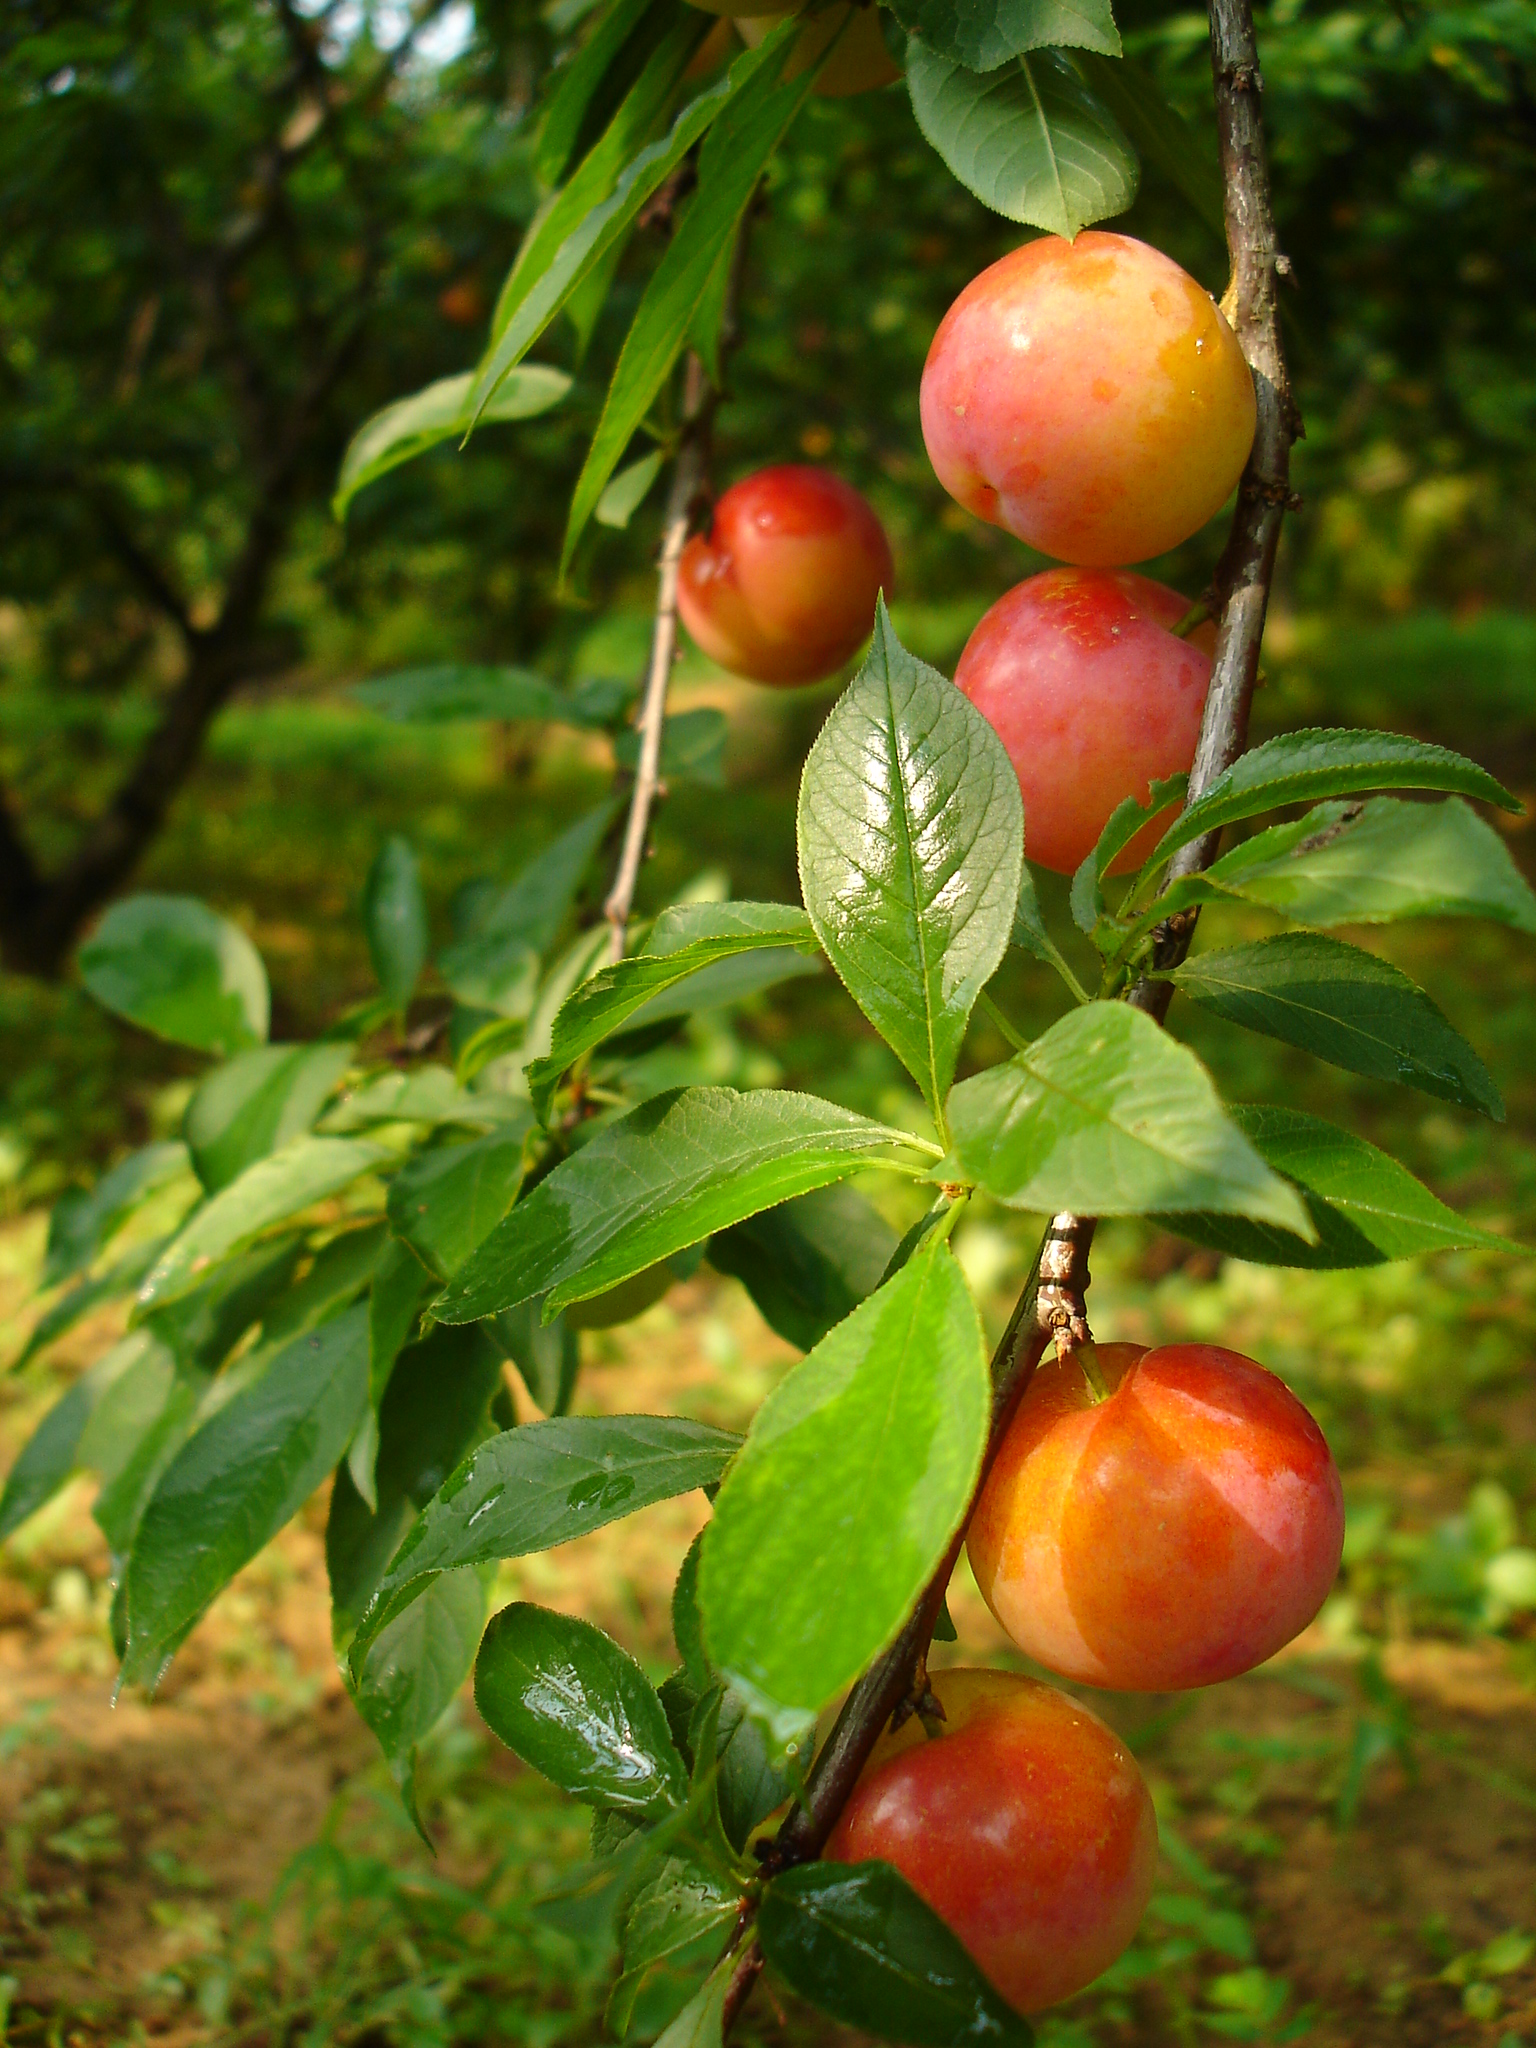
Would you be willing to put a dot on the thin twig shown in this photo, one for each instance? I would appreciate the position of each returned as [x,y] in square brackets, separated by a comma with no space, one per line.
[1052,1300]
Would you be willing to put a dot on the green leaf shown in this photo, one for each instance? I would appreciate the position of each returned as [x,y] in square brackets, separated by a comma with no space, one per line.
[174,967]
[856,1940]
[1347,864]
[52,1453]
[583,223]
[1347,1007]
[678,1167]
[84,1220]
[432,1414]
[445,1202]
[770,924]
[454,690]
[701,2022]
[121,1278]
[546,1483]
[1301,767]
[1029,932]
[342,1267]
[692,748]
[673,1933]
[157,1410]
[205,1325]
[395,920]
[547,1355]
[733,157]
[578,80]
[256,1102]
[1030,140]
[424,1095]
[306,1171]
[442,412]
[627,491]
[401,1284]
[1365,1207]
[1158,132]
[1124,822]
[911,840]
[566,1699]
[603,1004]
[494,966]
[1109,1116]
[985,35]
[809,1263]
[876,1437]
[246,1472]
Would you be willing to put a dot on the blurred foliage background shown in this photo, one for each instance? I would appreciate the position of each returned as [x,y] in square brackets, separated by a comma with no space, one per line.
[231,230]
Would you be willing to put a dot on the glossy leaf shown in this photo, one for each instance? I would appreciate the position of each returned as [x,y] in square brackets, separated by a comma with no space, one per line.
[678,1167]
[731,159]
[256,1103]
[1158,132]
[245,1473]
[566,1699]
[1347,864]
[808,1263]
[445,1202]
[982,34]
[441,412]
[686,924]
[876,1437]
[1301,767]
[1366,1208]
[1029,139]
[547,1483]
[306,1171]
[461,690]
[51,1455]
[1347,1007]
[603,1004]
[494,965]
[547,273]
[1124,822]
[1109,1116]
[395,919]
[673,1932]
[174,967]
[84,1220]
[856,1940]
[911,841]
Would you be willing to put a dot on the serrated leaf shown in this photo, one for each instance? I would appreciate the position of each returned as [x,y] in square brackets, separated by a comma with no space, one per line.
[1029,139]
[808,1263]
[678,1167]
[1301,767]
[1158,132]
[395,919]
[982,34]
[256,1102]
[1366,1208]
[445,1202]
[494,965]
[245,1473]
[85,1219]
[731,160]
[566,1699]
[441,412]
[307,1170]
[1109,1116]
[174,967]
[1387,860]
[692,748]
[856,1940]
[876,1436]
[603,1004]
[1347,1007]
[911,840]
[546,1483]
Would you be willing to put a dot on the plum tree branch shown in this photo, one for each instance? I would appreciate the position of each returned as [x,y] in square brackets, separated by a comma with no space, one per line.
[1051,1306]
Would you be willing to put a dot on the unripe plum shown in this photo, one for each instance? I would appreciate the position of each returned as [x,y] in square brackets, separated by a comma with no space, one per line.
[1175,1533]
[858,64]
[782,588]
[1089,397]
[1092,696]
[1025,1824]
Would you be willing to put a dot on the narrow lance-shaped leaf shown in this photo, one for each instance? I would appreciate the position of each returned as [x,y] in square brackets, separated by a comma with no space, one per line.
[395,919]
[1125,821]
[857,1941]
[911,842]
[733,158]
[494,965]
[441,412]
[445,1202]
[982,34]
[1030,140]
[876,1436]
[52,1453]
[256,1102]
[545,1483]
[1108,1116]
[579,79]
[174,967]
[453,689]
[1365,1207]
[684,1164]
[1347,1007]
[84,1220]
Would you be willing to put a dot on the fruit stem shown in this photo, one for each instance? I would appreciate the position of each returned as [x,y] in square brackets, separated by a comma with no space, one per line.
[1087,1357]
[1197,615]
